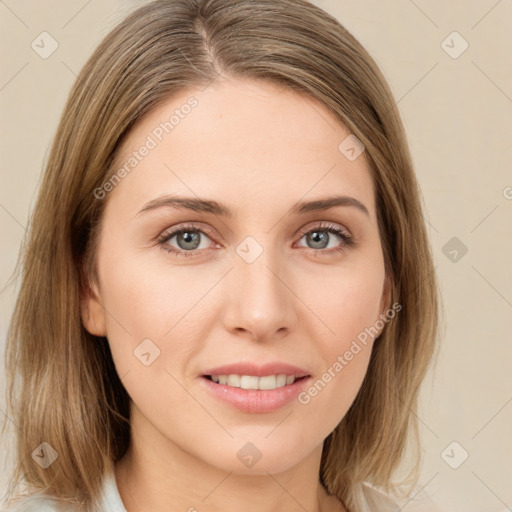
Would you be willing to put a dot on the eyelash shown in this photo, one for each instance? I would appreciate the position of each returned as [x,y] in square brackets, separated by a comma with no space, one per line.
[346,238]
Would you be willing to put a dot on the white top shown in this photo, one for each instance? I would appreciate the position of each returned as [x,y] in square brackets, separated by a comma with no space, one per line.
[368,500]
[110,500]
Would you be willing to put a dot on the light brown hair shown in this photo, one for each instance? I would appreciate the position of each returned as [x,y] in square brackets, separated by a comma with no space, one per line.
[63,386]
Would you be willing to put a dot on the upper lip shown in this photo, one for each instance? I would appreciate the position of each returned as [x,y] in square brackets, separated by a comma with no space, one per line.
[258,370]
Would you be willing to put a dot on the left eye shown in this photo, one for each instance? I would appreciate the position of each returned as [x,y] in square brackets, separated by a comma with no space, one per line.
[188,239]
[320,236]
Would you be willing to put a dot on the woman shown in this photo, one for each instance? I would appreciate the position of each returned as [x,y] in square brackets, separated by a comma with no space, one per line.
[277,365]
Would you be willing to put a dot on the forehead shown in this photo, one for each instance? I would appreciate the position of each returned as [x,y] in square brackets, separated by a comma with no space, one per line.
[250,141]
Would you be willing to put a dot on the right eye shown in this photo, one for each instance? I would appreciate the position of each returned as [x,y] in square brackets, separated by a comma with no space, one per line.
[188,239]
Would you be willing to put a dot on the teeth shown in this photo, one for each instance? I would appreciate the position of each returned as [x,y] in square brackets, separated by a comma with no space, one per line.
[234,381]
[268,382]
[281,380]
[253,382]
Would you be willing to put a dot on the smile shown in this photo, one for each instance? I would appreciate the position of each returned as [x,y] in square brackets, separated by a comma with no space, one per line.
[254,382]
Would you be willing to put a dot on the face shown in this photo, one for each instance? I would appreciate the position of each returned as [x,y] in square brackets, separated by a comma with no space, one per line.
[232,321]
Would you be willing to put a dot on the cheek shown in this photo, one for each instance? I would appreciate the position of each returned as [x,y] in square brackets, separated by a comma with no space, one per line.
[327,399]
[149,298]
[347,300]
[154,316]
[349,307]
[344,349]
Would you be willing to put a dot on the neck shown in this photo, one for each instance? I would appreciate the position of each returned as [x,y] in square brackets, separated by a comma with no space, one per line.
[180,481]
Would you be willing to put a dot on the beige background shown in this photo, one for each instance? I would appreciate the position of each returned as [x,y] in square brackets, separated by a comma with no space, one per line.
[457,114]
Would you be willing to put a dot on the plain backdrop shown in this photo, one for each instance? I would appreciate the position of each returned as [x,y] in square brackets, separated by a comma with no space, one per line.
[448,64]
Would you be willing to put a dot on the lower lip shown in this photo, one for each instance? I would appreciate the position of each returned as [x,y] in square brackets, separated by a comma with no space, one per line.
[255,400]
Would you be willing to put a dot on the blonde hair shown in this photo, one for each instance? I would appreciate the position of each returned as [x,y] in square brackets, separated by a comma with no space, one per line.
[63,386]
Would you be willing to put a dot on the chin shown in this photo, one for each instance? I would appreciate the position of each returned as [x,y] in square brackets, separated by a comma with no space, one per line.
[257,455]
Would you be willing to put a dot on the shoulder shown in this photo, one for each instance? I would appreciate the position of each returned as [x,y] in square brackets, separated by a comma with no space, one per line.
[372,499]
[32,503]
[108,501]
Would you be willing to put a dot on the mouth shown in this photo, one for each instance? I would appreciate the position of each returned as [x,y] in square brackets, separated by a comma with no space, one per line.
[254,388]
[267,382]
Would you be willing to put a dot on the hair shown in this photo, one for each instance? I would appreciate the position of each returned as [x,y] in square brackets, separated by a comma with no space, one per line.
[63,388]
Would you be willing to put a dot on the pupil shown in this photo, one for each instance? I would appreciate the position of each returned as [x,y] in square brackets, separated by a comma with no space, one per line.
[317,237]
[190,237]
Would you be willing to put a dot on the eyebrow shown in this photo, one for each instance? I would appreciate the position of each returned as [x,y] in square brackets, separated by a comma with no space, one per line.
[210,206]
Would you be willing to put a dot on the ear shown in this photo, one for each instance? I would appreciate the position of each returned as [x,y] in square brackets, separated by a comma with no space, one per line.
[92,311]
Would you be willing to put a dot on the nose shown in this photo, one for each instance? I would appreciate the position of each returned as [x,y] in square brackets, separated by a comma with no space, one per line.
[261,302]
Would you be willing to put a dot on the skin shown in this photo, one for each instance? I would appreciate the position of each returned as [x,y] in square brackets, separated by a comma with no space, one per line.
[258,148]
